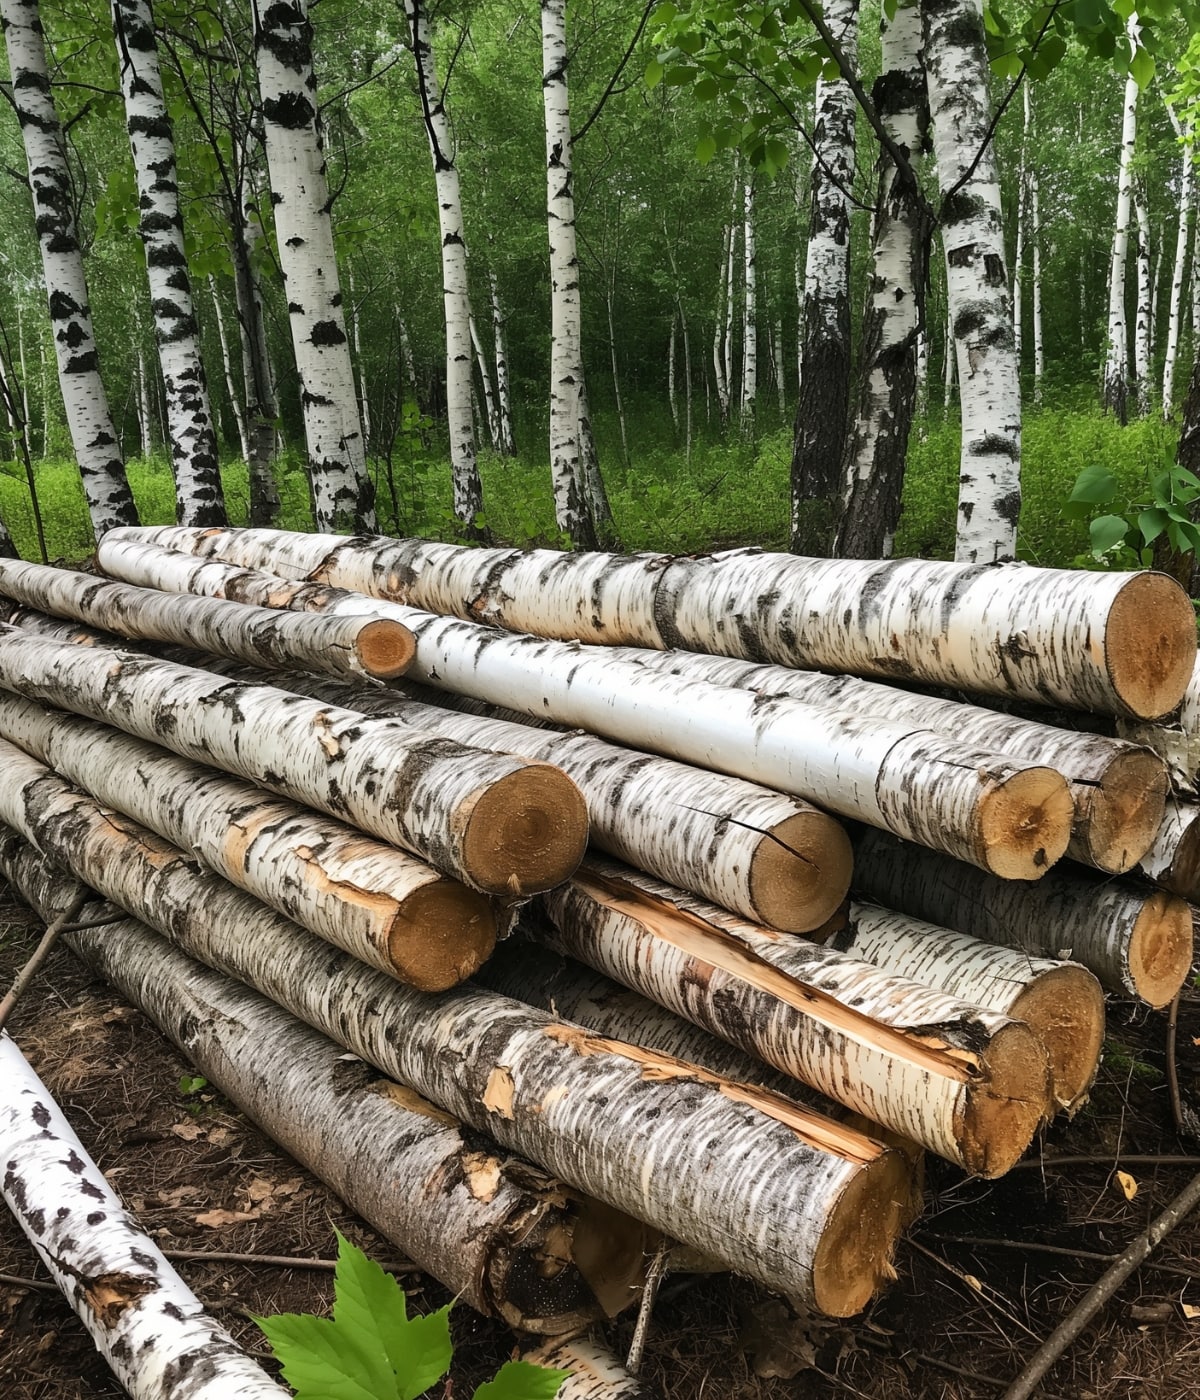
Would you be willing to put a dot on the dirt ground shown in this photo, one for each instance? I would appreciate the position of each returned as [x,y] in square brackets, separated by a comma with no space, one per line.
[957,1324]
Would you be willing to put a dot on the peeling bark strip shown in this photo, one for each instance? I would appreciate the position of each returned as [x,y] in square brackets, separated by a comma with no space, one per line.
[495,823]
[145,1321]
[93,436]
[364,897]
[1174,860]
[378,648]
[1119,790]
[513,1242]
[193,442]
[797,1201]
[595,1372]
[1123,644]
[343,496]
[980,304]
[1061,1002]
[1137,940]
[967,1083]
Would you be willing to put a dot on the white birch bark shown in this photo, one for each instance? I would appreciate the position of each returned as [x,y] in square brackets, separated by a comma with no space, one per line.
[262,411]
[1116,385]
[980,306]
[146,1322]
[261,636]
[972,1090]
[720,331]
[485,378]
[145,417]
[366,898]
[503,392]
[199,495]
[672,397]
[1117,643]
[460,417]
[730,283]
[1035,235]
[595,1372]
[1174,860]
[773,1190]
[364,406]
[343,496]
[749,397]
[235,402]
[496,823]
[1136,940]
[93,436]
[1175,310]
[1143,323]
[778,365]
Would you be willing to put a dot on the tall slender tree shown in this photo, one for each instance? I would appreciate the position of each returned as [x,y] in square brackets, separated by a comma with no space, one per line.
[1175,309]
[1116,361]
[750,319]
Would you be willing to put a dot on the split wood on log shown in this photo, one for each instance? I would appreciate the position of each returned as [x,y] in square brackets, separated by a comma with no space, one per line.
[380,647]
[1118,643]
[496,823]
[1174,859]
[513,1242]
[1137,940]
[797,1201]
[365,897]
[145,1321]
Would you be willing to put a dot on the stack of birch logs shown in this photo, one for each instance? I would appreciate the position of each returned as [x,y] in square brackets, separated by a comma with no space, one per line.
[832,912]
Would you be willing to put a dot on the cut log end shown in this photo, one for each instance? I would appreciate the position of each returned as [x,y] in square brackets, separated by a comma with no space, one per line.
[1183,877]
[1150,645]
[526,833]
[442,934]
[1160,948]
[1003,1111]
[1065,1009]
[1025,823]
[1125,811]
[800,872]
[853,1260]
[385,649]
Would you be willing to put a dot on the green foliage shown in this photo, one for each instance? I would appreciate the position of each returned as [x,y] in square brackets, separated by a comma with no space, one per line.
[1132,528]
[370,1349]
[192,1084]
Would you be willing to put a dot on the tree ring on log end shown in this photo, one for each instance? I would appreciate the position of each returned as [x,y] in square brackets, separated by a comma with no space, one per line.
[800,872]
[1125,811]
[385,648]
[1025,823]
[1065,1009]
[1160,948]
[1150,645]
[1001,1113]
[853,1259]
[442,933]
[527,832]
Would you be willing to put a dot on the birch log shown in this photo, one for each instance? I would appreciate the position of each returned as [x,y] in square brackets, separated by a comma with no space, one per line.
[1177,739]
[1061,1002]
[595,1373]
[145,1321]
[1174,860]
[1136,940]
[795,1200]
[1119,789]
[378,648]
[1117,643]
[966,1083]
[497,824]
[498,1232]
[365,897]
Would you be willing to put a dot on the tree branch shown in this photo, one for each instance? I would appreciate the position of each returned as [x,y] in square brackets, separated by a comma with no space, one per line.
[612,82]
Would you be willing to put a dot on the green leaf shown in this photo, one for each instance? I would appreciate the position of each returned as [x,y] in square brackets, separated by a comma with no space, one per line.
[320,1362]
[1141,68]
[1152,523]
[654,73]
[1107,532]
[519,1380]
[706,148]
[1094,486]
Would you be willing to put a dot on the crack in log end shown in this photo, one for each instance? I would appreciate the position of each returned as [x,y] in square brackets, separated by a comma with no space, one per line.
[1024,822]
[801,872]
[108,1295]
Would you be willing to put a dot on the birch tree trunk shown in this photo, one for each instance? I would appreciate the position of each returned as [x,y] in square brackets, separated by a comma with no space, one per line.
[199,495]
[1115,394]
[877,443]
[1035,234]
[460,418]
[503,394]
[719,332]
[145,417]
[499,825]
[485,378]
[980,306]
[235,403]
[1115,643]
[1175,311]
[672,397]
[261,409]
[93,436]
[146,1322]
[730,281]
[1136,940]
[1143,325]
[749,398]
[343,496]
[364,405]
[820,432]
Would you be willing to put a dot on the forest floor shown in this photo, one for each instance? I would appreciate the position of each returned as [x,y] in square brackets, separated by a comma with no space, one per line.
[958,1322]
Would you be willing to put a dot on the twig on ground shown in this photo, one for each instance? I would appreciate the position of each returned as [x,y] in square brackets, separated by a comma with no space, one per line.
[16,1281]
[977,1287]
[654,1277]
[1173,1069]
[273,1261]
[43,950]
[1034,1247]
[1110,1160]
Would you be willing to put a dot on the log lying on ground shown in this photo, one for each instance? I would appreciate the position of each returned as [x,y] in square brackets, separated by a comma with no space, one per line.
[43,625]
[1137,940]
[595,1372]
[379,647]
[1118,643]
[1119,789]
[801,1203]
[494,822]
[1061,1002]
[145,1321]
[1174,859]
[513,1242]
[964,1082]
[365,897]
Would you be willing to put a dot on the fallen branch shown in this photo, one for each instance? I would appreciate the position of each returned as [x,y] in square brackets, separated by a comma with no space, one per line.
[43,950]
[275,1261]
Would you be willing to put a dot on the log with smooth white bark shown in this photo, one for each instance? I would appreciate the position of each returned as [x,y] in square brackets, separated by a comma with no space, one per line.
[378,647]
[595,1373]
[493,822]
[1118,643]
[145,1321]
[496,1231]
[962,1081]
[1137,940]
[793,1199]
[1174,860]
[373,901]
[1119,789]
[1061,1002]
